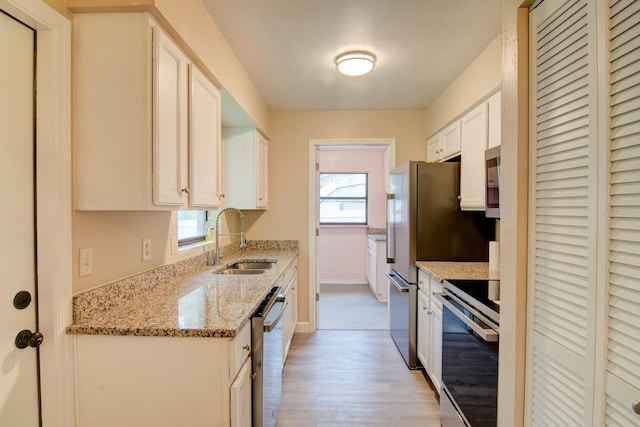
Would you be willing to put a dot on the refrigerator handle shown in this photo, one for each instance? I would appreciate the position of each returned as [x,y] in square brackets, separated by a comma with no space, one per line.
[390,233]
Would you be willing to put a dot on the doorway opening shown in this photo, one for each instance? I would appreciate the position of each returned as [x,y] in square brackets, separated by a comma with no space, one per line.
[347,206]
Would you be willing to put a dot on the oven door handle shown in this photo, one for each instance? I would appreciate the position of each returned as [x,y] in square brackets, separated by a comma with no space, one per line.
[269,326]
[489,335]
[396,284]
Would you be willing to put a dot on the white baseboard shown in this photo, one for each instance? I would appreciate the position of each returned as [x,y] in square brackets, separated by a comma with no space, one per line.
[303,328]
[343,282]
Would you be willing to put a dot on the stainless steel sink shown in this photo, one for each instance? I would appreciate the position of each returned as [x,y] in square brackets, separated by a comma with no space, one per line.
[240,271]
[247,267]
[251,265]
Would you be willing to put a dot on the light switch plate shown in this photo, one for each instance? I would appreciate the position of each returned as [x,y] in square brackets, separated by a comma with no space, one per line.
[146,249]
[86,261]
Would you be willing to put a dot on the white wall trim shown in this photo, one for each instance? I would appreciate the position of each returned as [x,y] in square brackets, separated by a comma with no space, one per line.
[303,328]
[314,145]
[53,189]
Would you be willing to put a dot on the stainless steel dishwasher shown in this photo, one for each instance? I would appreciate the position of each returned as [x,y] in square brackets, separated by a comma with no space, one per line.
[266,342]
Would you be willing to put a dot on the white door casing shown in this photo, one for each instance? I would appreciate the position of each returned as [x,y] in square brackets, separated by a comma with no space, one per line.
[314,144]
[19,404]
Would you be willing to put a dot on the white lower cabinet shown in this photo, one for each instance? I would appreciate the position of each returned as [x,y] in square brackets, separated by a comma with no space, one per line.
[129,381]
[290,317]
[424,329]
[377,269]
[241,397]
[435,371]
[430,327]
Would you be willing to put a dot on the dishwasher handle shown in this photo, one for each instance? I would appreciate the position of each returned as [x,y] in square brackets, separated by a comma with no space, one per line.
[272,323]
[401,287]
[488,335]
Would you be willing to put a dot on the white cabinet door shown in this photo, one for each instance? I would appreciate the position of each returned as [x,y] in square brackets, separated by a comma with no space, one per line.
[473,132]
[245,166]
[451,140]
[290,317]
[424,329]
[170,122]
[241,397]
[434,148]
[494,114]
[435,372]
[204,141]
[262,172]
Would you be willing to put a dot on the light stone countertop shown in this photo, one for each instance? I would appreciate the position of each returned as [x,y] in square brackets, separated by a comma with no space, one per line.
[442,270]
[186,299]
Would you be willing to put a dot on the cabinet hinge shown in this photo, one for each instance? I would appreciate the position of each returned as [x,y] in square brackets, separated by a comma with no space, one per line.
[317,167]
[317,232]
[317,297]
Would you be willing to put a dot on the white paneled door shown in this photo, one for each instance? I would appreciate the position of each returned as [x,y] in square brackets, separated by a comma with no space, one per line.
[18,367]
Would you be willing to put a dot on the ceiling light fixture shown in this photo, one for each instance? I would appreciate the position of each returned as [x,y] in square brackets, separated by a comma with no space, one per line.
[355,63]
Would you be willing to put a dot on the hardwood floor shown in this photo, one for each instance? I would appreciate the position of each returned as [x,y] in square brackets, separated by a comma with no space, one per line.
[353,378]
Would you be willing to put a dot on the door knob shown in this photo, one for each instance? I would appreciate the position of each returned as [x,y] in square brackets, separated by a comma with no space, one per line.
[27,338]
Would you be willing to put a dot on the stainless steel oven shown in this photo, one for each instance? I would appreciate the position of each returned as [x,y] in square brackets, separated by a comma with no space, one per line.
[470,332]
[266,363]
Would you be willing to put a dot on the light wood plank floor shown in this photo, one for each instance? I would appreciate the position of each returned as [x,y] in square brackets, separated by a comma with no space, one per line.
[353,378]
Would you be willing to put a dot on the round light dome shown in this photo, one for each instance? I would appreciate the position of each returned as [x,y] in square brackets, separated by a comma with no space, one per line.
[355,63]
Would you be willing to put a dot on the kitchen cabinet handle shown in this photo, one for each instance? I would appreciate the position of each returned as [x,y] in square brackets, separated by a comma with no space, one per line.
[246,347]
[185,190]
[636,407]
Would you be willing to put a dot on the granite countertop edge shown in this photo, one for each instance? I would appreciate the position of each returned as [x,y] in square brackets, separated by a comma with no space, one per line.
[451,270]
[142,314]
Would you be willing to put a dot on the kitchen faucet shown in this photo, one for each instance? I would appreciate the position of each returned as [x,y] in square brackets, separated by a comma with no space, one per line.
[243,243]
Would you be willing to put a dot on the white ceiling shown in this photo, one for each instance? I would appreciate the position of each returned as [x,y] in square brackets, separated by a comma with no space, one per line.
[288,48]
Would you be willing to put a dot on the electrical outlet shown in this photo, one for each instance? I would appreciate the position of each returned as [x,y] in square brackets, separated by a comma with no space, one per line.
[146,249]
[86,262]
[174,245]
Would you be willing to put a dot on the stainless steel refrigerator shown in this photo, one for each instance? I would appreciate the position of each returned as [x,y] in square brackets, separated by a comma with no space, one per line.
[425,223]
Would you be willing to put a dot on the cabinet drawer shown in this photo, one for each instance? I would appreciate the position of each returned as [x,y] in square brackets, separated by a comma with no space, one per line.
[239,350]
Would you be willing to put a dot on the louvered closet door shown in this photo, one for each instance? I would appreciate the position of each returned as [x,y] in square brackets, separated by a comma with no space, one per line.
[623,337]
[562,216]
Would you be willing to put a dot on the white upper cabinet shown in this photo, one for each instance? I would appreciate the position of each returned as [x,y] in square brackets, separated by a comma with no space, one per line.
[170,130]
[451,140]
[246,168]
[137,119]
[205,157]
[445,144]
[494,113]
[474,135]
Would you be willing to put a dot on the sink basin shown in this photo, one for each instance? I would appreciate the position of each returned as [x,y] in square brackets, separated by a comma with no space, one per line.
[240,271]
[251,265]
[247,267]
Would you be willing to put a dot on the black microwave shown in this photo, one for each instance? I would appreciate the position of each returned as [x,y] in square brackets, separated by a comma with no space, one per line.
[492,184]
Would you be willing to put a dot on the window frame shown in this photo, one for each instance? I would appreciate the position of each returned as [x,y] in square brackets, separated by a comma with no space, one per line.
[365,198]
[194,239]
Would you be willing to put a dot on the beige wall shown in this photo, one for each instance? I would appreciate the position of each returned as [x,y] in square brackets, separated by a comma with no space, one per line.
[288,214]
[480,78]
